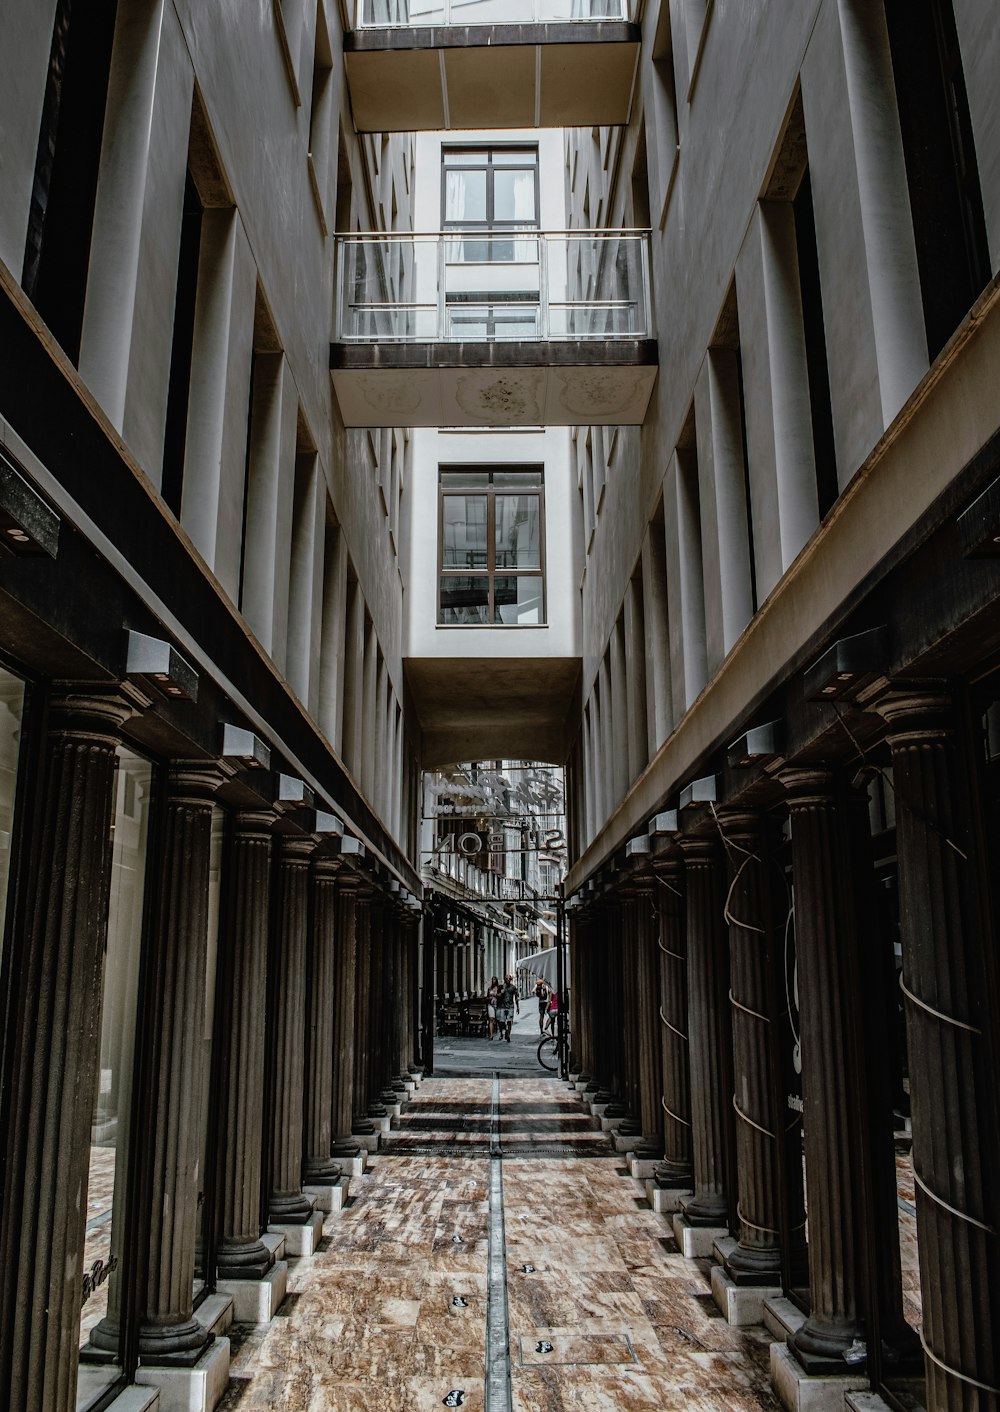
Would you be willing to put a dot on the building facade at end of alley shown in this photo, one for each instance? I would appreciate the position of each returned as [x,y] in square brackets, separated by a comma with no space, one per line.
[402,391]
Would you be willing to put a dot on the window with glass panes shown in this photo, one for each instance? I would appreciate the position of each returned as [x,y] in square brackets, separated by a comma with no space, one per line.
[491,195]
[491,546]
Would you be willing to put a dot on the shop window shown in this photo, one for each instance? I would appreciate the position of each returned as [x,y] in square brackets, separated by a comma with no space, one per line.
[107,1251]
[491,546]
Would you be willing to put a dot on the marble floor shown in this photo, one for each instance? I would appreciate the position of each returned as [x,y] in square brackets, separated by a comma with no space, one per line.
[604,1313]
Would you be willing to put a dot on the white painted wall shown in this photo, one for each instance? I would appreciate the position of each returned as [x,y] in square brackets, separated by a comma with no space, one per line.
[549,448]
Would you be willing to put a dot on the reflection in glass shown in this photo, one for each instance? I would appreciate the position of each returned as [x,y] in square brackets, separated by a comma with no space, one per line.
[518,600]
[464,600]
[517,532]
[464,529]
[11,711]
[202,1277]
[104,1255]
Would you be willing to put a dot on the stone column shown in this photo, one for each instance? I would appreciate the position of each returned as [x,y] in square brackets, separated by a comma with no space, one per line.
[179,944]
[288,1008]
[344,1020]
[243,955]
[825,934]
[952,1054]
[676,1168]
[362,1032]
[319,1168]
[709,1034]
[54,1068]
[752,923]
[650,1112]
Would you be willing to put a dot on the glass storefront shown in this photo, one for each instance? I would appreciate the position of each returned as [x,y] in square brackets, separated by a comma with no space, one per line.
[105,1255]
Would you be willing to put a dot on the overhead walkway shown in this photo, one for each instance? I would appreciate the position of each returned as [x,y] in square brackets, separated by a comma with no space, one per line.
[430,65]
[479,329]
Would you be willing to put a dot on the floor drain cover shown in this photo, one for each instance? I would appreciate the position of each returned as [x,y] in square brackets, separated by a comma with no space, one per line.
[554,1347]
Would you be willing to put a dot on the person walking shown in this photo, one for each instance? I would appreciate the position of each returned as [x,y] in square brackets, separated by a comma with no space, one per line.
[553,1011]
[491,1005]
[507,1003]
[542,996]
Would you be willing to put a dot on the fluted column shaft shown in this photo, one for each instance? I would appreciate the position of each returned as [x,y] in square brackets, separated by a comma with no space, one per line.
[243,957]
[179,942]
[953,1070]
[632,1004]
[709,1033]
[647,990]
[825,936]
[362,1003]
[345,1012]
[288,1011]
[317,1132]
[752,924]
[675,1100]
[54,1070]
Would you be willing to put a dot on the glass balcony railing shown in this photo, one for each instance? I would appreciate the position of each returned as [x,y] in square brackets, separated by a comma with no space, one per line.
[399,14]
[487,286]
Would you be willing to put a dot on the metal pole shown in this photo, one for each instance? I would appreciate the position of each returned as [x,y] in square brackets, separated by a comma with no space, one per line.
[561,985]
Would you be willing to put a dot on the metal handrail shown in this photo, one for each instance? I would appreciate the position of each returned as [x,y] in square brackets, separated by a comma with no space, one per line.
[447,17]
[503,233]
[598,298]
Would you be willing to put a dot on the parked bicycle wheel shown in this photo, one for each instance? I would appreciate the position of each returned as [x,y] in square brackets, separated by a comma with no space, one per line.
[548,1052]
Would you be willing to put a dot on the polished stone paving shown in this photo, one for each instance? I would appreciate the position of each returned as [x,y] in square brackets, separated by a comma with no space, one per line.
[604,1313]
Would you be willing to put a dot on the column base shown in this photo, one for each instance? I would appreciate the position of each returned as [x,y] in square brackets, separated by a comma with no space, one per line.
[320,1173]
[301,1237]
[245,1262]
[750,1267]
[643,1162]
[331,1196]
[695,1242]
[797,1391]
[197,1389]
[821,1349]
[665,1200]
[740,1304]
[626,1142]
[257,1301]
[289,1210]
[180,1346]
[610,1125]
[352,1157]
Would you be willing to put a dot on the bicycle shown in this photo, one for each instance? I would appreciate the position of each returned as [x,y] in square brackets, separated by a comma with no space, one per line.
[549,1049]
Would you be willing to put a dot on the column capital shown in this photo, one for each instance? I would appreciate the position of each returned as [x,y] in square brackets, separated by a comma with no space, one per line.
[196,782]
[699,850]
[326,868]
[807,786]
[255,822]
[297,850]
[92,710]
[918,710]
